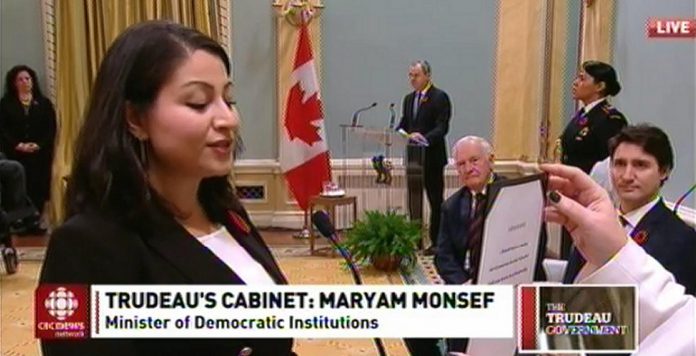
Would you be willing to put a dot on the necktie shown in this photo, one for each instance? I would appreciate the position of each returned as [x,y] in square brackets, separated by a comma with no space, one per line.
[623,220]
[476,234]
[416,104]
[628,228]
[580,115]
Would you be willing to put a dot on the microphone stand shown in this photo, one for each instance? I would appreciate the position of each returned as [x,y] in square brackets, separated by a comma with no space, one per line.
[392,116]
[358,281]
[356,277]
[349,259]
[354,122]
[388,136]
[353,127]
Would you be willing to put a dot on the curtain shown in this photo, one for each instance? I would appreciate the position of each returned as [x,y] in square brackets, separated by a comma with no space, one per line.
[519,77]
[84,31]
[598,30]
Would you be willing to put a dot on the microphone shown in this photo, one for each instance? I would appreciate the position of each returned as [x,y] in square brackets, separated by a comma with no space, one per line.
[682,198]
[355,114]
[392,117]
[321,220]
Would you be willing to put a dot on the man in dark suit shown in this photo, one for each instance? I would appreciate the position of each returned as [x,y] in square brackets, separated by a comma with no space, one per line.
[459,244]
[425,120]
[641,161]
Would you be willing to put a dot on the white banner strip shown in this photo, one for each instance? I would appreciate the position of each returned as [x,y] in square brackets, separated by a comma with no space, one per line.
[301,311]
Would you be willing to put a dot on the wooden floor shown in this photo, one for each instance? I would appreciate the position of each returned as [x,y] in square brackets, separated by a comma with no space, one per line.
[16,297]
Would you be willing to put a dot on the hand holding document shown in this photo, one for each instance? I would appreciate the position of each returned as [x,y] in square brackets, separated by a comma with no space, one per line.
[415,137]
[512,225]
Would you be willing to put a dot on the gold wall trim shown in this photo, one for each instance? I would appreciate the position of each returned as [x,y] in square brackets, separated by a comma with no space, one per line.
[530,85]
[225,25]
[519,78]
[48,15]
[598,30]
[557,87]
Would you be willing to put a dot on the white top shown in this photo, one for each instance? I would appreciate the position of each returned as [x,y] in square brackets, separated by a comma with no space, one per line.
[228,250]
[634,217]
[667,324]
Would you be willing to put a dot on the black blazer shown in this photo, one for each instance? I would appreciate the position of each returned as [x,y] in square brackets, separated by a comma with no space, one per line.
[453,239]
[585,142]
[38,126]
[432,121]
[94,249]
[669,240]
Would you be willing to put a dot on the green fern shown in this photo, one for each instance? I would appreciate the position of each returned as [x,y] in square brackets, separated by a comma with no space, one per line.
[384,234]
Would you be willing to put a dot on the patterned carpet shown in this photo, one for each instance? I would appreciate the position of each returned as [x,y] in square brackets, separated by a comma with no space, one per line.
[16,299]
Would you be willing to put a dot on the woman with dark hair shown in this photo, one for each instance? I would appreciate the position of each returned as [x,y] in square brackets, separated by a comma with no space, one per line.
[149,200]
[585,140]
[28,130]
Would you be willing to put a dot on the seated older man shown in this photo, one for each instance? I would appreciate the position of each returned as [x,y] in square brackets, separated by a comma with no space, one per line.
[459,241]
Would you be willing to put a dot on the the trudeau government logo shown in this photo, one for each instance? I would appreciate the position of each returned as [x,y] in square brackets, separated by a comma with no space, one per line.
[62,311]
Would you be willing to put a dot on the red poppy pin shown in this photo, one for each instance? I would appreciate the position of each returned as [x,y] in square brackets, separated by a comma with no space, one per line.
[641,237]
[239,223]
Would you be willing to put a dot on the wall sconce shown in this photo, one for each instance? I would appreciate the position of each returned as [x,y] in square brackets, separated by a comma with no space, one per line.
[297,12]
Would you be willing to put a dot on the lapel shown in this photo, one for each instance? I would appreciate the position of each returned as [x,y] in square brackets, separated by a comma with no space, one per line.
[411,99]
[464,207]
[595,112]
[191,258]
[650,221]
[461,217]
[15,109]
[425,102]
[253,243]
[465,204]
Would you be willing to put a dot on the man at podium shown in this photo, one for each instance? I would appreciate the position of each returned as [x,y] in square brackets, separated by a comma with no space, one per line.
[425,119]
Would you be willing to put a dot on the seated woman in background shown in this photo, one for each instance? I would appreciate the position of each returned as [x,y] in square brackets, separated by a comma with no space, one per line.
[149,200]
[28,131]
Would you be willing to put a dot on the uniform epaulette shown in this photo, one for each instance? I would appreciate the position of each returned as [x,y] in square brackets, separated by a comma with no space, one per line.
[608,108]
[612,112]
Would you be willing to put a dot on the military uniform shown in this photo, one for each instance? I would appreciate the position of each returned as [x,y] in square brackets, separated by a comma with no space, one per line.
[585,140]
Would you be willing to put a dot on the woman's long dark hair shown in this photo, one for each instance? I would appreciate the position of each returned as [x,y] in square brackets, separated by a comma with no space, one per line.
[11,88]
[107,174]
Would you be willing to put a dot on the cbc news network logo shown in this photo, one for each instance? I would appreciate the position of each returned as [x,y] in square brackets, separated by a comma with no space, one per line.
[62,311]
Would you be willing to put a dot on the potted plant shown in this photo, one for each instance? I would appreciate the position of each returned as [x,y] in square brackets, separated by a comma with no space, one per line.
[385,239]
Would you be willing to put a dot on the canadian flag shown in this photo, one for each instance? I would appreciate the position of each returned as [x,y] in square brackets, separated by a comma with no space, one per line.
[304,154]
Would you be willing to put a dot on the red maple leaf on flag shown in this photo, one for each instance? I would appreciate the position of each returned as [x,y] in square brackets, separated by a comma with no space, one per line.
[299,116]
